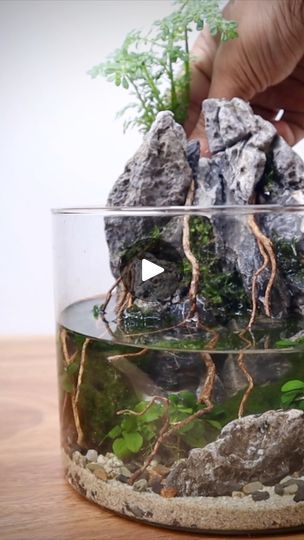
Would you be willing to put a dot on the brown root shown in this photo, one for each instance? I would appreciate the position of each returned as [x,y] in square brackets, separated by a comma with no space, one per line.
[68,360]
[266,248]
[242,366]
[194,285]
[254,284]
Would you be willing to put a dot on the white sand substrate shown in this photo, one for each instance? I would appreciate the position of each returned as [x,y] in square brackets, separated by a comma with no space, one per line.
[203,514]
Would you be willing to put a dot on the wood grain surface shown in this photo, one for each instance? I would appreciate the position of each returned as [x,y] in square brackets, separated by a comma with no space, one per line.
[35,501]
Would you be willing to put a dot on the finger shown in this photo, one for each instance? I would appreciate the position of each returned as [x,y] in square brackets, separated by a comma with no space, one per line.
[203,53]
[291,127]
[287,95]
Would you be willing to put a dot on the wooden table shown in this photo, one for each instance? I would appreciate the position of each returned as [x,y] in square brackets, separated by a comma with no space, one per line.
[35,502]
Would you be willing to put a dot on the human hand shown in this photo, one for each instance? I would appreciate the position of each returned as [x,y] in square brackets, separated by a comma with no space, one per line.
[264,65]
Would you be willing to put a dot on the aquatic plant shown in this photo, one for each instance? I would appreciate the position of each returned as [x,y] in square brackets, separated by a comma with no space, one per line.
[139,428]
[293,394]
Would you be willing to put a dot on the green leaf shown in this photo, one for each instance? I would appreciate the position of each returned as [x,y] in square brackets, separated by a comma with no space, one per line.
[295,384]
[147,432]
[115,432]
[129,423]
[125,83]
[67,383]
[120,448]
[289,397]
[215,424]
[188,399]
[72,368]
[134,441]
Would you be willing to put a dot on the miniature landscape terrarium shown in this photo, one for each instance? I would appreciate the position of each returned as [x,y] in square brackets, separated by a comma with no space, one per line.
[180,309]
[181,331]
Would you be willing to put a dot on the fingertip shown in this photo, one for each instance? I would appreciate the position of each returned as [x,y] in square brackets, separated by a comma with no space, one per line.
[285,131]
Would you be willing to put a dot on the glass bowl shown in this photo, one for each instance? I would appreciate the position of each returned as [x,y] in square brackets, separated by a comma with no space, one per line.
[180,339]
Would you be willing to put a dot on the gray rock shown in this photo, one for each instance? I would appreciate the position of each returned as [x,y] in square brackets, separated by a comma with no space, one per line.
[260,496]
[264,369]
[244,144]
[157,175]
[235,458]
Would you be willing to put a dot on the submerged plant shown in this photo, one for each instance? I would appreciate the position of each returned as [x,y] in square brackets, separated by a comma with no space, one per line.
[140,427]
[293,394]
[155,67]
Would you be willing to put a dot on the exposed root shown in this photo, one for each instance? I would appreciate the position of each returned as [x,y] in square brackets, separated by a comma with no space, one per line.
[81,369]
[149,405]
[109,293]
[194,285]
[68,360]
[205,396]
[265,243]
[168,429]
[128,355]
[254,283]
[242,366]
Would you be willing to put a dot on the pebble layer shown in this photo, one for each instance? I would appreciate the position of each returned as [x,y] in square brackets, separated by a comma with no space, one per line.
[230,514]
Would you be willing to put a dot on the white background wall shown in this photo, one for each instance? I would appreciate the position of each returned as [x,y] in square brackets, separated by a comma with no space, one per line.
[59,142]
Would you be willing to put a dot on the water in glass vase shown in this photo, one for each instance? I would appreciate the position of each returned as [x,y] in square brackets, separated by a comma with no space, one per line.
[184,425]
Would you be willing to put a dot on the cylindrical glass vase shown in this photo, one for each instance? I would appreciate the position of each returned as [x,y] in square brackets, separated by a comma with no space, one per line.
[180,339]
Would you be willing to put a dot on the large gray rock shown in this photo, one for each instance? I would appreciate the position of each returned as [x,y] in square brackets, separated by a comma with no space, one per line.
[157,175]
[263,448]
[243,145]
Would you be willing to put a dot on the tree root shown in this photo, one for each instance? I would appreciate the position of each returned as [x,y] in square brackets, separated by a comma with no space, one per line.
[194,285]
[267,252]
[75,394]
[242,366]
[254,284]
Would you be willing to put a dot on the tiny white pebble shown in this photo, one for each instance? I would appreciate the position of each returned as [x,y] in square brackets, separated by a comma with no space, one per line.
[91,455]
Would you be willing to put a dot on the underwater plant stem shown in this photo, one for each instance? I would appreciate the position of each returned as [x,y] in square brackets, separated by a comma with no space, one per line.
[194,285]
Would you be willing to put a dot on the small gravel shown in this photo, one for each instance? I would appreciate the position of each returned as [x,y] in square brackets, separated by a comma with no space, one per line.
[201,514]
[91,455]
[140,485]
[260,496]
[291,489]
[252,487]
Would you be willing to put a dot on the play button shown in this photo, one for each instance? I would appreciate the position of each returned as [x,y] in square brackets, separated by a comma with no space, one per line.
[150,269]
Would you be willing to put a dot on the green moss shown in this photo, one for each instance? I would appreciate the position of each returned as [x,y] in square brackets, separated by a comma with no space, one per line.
[104,390]
[222,291]
[289,257]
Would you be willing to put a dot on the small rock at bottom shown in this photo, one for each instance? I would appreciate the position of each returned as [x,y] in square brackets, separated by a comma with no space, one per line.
[140,485]
[260,496]
[91,455]
[252,487]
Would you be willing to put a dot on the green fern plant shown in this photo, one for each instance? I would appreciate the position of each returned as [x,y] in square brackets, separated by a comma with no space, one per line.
[155,67]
